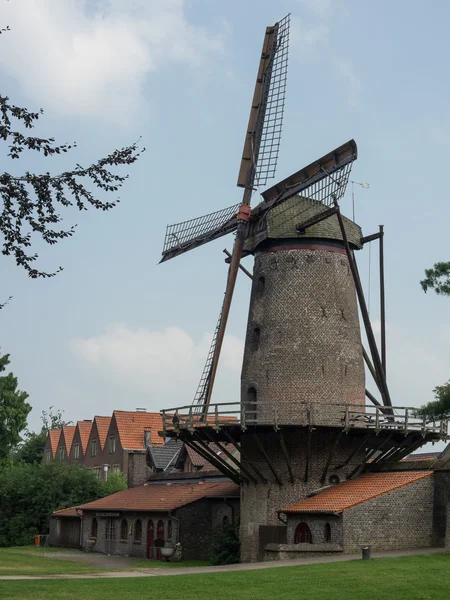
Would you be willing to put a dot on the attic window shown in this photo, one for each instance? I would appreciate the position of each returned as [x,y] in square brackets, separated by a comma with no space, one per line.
[112,444]
[260,286]
[94,448]
[76,451]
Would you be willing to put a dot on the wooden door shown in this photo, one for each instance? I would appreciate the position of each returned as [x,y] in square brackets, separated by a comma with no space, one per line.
[271,534]
[110,537]
[150,538]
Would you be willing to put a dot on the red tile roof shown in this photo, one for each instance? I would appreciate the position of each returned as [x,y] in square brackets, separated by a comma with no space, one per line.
[198,461]
[84,428]
[102,428]
[163,497]
[351,493]
[66,512]
[54,435]
[69,432]
[131,427]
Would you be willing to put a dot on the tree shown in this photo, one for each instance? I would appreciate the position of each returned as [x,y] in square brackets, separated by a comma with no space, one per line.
[116,482]
[437,278]
[13,410]
[225,545]
[31,449]
[31,202]
[440,406]
[29,494]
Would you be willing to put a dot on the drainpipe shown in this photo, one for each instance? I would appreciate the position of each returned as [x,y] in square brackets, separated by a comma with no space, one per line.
[80,514]
[178,525]
[279,513]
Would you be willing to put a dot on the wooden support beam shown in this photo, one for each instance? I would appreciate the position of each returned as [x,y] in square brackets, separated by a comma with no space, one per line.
[244,456]
[331,454]
[220,465]
[372,398]
[243,269]
[308,454]
[364,312]
[382,302]
[355,451]
[370,238]
[286,456]
[264,453]
[368,456]
[232,458]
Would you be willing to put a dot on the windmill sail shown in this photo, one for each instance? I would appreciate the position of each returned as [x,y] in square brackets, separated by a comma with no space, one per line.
[187,235]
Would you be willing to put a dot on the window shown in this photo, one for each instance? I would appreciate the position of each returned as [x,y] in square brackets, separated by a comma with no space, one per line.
[302,534]
[49,456]
[169,530]
[260,286]
[76,451]
[112,444]
[97,471]
[62,453]
[327,532]
[251,397]
[256,336]
[94,528]
[94,448]
[138,531]
[115,468]
[225,520]
[123,529]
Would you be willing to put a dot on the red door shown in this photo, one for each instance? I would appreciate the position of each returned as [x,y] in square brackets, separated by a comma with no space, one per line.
[150,538]
[160,536]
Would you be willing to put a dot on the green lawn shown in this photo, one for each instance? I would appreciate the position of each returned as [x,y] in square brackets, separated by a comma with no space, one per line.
[409,578]
[31,560]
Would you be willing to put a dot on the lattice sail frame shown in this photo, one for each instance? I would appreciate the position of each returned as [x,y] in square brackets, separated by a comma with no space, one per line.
[272,109]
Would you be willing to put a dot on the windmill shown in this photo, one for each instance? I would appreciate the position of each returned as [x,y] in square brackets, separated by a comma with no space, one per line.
[302,421]
[323,181]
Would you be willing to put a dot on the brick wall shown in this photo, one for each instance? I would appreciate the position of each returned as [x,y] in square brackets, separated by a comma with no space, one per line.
[401,519]
[303,341]
[195,529]
[441,506]
[138,472]
[316,523]
[260,503]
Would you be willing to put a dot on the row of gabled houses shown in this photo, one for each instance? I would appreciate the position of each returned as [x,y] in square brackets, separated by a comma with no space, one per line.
[108,443]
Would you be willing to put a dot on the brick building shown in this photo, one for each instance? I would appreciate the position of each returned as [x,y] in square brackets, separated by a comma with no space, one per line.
[51,445]
[80,442]
[129,522]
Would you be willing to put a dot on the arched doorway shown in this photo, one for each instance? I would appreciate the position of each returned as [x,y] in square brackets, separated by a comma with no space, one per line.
[150,538]
[160,536]
[110,537]
[302,534]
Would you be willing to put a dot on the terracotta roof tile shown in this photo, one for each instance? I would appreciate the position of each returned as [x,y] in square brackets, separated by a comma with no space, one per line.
[351,493]
[54,435]
[131,427]
[84,428]
[66,512]
[102,424]
[69,432]
[163,497]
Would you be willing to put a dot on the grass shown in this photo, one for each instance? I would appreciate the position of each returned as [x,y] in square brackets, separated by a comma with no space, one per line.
[158,564]
[424,577]
[32,560]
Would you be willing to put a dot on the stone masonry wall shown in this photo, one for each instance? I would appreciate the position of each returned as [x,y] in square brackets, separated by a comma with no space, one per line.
[316,523]
[138,471]
[402,519]
[260,503]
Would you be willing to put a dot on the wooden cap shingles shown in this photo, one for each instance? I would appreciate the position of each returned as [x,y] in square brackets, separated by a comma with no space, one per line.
[351,493]
[131,426]
[162,497]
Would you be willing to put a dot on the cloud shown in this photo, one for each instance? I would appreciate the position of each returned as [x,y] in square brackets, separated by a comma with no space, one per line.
[321,8]
[346,72]
[165,364]
[80,58]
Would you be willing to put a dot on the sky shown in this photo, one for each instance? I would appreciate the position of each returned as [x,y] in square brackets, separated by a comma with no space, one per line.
[116,330]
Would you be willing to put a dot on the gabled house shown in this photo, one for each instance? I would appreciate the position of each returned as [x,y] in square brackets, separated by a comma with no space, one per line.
[129,434]
[65,442]
[164,458]
[80,441]
[51,445]
[93,457]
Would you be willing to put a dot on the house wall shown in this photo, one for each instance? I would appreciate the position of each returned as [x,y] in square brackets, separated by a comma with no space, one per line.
[441,507]
[65,532]
[316,523]
[220,509]
[47,447]
[76,440]
[89,460]
[117,457]
[195,529]
[401,519]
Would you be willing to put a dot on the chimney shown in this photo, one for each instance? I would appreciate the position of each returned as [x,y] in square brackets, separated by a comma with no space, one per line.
[147,436]
[141,410]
